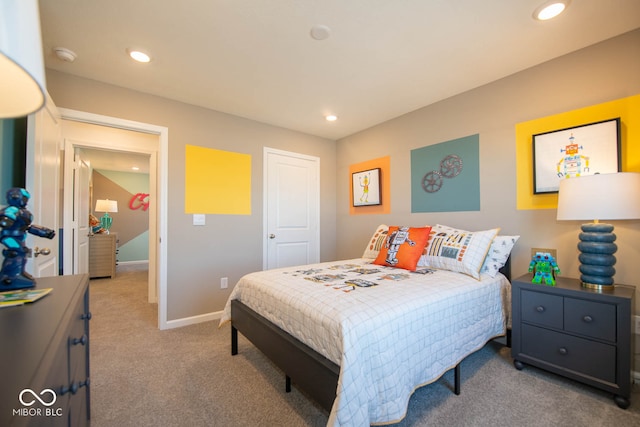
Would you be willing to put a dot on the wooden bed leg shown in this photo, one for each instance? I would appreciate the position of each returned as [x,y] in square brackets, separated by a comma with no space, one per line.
[287,386]
[234,341]
[456,374]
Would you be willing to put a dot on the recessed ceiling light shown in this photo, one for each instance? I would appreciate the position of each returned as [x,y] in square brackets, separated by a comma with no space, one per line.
[331,117]
[138,55]
[550,10]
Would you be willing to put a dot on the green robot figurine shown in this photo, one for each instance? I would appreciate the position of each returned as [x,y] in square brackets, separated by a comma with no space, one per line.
[544,268]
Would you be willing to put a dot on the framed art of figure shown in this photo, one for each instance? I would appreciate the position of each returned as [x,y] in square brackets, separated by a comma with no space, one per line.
[581,150]
[366,187]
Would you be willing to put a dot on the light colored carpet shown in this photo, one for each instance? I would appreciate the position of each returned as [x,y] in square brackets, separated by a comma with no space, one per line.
[142,376]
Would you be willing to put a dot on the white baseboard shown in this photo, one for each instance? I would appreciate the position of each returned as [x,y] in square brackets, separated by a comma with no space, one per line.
[132,263]
[186,321]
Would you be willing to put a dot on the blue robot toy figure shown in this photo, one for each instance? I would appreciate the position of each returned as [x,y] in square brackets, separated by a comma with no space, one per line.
[15,222]
[544,268]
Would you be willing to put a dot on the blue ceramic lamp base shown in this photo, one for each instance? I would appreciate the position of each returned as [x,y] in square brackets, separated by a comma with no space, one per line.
[596,257]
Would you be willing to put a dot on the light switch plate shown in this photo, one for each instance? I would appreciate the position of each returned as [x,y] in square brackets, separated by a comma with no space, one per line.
[199,219]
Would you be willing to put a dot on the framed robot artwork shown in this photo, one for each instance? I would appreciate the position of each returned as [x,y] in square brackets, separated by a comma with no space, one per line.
[572,152]
[366,187]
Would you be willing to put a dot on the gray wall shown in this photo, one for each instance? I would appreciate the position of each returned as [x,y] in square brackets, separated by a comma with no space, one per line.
[232,245]
[600,73]
[229,245]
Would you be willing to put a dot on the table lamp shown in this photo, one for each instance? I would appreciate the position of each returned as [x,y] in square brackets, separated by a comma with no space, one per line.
[106,206]
[611,196]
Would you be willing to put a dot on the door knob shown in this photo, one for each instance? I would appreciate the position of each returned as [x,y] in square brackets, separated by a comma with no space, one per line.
[44,251]
[272,236]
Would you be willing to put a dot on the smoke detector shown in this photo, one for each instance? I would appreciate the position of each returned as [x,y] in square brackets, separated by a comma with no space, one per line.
[320,32]
[65,54]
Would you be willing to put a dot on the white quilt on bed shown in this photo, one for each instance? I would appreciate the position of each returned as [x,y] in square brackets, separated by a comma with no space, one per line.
[402,331]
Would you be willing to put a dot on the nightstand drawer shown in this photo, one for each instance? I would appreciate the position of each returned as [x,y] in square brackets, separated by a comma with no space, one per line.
[542,309]
[590,358]
[593,319]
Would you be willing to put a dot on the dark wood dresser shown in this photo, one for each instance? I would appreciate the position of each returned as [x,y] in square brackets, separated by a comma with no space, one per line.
[44,349]
[580,333]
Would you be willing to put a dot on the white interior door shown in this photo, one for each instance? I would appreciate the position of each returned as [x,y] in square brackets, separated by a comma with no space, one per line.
[292,209]
[81,208]
[43,182]
[76,203]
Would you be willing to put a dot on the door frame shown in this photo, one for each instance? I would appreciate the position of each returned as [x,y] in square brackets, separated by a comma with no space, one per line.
[265,197]
[39,139]
[158,191]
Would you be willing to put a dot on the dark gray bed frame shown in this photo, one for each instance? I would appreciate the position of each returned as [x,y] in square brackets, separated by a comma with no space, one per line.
[312,373]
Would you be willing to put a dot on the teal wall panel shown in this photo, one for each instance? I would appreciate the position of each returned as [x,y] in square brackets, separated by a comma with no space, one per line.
[445,177]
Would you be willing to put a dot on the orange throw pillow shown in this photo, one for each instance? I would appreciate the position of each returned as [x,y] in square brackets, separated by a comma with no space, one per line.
[403,247]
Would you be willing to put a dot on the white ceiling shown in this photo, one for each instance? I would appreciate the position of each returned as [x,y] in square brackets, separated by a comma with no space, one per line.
[116,160]
[256,59]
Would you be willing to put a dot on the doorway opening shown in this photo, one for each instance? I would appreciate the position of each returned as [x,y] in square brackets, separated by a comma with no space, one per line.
[157,150]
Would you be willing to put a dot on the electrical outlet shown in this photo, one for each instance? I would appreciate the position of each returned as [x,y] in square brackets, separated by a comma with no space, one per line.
[637,325]
[224,282]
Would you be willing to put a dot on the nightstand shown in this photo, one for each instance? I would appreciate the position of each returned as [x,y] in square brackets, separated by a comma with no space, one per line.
[576,332]
[102,255]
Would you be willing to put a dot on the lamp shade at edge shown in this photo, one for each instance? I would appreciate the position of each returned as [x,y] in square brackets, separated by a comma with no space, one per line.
[614,196]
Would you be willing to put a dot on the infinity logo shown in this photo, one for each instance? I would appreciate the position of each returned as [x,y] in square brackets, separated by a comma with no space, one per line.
[37,397]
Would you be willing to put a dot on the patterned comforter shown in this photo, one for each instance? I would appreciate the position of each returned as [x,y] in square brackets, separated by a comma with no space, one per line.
[390,331]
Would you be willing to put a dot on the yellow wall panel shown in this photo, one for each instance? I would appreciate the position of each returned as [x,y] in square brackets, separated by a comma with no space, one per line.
[628,109]
[217,182]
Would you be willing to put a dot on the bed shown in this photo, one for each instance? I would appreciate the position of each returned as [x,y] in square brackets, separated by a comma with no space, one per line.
[359,336]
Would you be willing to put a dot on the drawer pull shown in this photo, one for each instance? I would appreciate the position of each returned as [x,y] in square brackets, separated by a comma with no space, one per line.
[73,387]
[540,309]
[82,340]
[587,319]
[563,351]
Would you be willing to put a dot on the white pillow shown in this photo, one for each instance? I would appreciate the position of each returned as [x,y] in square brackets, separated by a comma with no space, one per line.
[456,250]
[498,254]
[376,242]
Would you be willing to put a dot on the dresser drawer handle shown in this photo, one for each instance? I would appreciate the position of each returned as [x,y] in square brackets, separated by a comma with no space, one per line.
[587,319]
[540,309]
[563,351]
[82,340]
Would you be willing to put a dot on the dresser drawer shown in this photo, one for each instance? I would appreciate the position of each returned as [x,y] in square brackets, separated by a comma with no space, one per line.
[542,309]
[590,358]
[589,318]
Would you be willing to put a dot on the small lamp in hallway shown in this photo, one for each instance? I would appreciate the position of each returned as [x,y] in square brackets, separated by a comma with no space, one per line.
[106,206]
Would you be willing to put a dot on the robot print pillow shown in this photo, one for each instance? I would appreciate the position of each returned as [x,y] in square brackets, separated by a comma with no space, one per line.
[403,247]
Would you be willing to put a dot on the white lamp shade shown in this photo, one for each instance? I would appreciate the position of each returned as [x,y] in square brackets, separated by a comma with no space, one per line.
[22,78]
[107,205]
[611,196]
